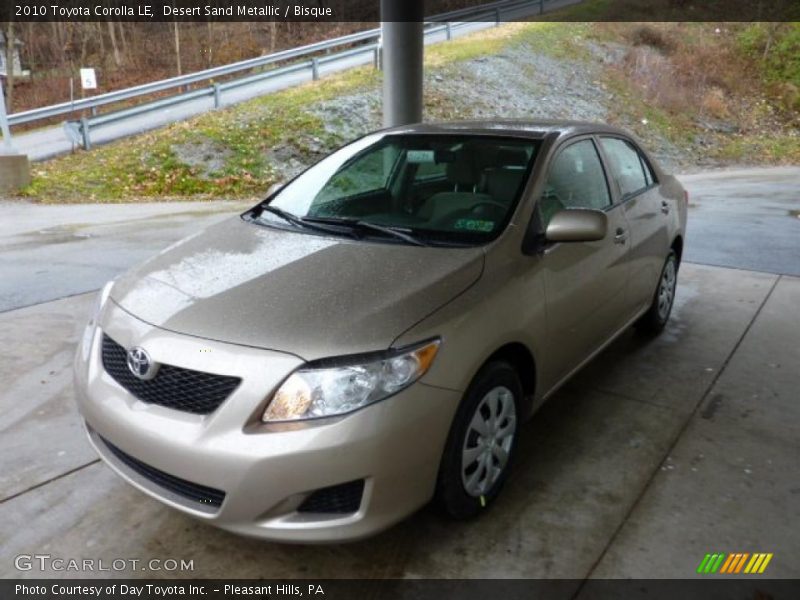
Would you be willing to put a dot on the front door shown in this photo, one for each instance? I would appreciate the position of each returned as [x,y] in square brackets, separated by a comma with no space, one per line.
[585,282]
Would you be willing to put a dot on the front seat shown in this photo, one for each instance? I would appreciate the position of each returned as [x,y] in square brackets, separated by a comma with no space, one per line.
[463,176]
[503,182]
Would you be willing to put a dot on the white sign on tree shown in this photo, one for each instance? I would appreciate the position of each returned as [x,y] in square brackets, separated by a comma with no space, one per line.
[88,79]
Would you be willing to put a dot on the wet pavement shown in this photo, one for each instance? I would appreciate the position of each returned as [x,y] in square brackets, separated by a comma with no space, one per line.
[747,219]
[54,251]
[656,453]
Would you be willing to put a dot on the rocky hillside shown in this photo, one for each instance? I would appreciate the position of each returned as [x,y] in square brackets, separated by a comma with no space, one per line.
[691,92]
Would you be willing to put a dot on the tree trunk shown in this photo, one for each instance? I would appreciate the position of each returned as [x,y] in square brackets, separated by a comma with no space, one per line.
[209,44]
[123,40]
[114,47]
[177,47]
[10,67]
[273,34]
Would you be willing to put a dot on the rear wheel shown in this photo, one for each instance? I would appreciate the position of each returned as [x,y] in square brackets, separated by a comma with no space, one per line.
[656,317]
[481,442]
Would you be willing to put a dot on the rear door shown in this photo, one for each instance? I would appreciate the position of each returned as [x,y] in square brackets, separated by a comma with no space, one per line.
[646,212]
[586,282]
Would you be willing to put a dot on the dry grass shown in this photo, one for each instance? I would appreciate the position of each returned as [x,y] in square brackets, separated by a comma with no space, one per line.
[688,68]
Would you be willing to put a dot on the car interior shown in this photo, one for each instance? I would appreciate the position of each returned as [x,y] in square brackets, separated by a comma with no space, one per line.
[439,185]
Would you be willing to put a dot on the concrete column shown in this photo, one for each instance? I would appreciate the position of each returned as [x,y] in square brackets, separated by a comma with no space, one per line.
[402,35]
[15,171]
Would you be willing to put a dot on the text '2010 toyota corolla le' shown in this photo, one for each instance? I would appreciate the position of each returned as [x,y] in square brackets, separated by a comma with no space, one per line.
[372,335]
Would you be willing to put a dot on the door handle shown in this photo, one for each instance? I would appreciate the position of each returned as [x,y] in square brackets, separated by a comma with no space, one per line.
[664,207]
[621,236]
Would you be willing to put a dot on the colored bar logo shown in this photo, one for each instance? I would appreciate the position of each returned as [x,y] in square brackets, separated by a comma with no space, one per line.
[735,563]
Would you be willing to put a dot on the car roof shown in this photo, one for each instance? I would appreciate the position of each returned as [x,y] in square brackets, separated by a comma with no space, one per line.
[537,129]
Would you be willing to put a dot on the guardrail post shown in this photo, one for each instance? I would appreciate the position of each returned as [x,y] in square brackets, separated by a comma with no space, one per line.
[497,17]
[315,68]
[217,96]
[449,29]
[376,57]
[87,140]
[541,7]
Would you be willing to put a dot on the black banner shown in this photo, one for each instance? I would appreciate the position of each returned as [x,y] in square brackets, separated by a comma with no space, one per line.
[370,10]
[709,588]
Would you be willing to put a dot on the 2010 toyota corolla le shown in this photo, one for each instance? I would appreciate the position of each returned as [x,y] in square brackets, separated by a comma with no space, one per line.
[373,334]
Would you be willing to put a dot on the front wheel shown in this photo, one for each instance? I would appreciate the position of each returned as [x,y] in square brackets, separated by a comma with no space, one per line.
[481,443]
[656,317]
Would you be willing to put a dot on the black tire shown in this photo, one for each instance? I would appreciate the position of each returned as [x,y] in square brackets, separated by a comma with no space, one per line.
[656,317]
[452,496]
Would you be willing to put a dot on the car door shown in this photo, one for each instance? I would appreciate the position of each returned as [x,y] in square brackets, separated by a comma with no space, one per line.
[585,282]
[647,214]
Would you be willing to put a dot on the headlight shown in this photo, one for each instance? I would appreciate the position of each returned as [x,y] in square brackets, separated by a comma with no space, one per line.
[315,392]
[97,308]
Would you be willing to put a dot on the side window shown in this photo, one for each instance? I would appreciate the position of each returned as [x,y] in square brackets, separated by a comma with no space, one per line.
[626,165]
[576,180]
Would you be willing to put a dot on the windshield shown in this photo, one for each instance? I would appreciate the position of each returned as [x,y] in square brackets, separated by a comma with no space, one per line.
[447,189]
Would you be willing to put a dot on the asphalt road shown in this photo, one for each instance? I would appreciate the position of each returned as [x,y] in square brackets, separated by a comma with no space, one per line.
[748,219]
[49,252]
[744,219]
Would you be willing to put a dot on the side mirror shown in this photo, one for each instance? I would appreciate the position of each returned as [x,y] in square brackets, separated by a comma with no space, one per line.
[274,188]
[577,225]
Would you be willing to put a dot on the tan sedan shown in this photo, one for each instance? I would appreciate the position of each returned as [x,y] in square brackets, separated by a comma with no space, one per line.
[371,336]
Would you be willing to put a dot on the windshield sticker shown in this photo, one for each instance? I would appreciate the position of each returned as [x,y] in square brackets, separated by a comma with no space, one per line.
[421,156]
[474,225]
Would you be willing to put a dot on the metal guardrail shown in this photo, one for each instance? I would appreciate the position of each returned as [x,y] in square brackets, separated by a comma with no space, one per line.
[368,42]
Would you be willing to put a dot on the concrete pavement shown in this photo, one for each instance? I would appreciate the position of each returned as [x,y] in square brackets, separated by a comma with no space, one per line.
[731,482]
[603,486]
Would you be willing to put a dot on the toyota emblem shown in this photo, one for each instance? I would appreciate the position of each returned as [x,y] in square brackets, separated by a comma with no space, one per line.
[140,364]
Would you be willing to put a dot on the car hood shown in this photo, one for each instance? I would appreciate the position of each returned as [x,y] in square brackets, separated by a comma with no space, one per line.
[304,294]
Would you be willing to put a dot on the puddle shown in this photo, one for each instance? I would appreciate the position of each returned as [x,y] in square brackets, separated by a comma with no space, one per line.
[60,235]
[47,237]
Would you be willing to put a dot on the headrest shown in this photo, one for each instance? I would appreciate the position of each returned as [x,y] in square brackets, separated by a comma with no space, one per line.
[512,157]
[462,170]
[503,184]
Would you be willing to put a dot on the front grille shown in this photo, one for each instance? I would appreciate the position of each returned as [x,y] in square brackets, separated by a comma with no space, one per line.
[173,387]
[340,499]
[186,489]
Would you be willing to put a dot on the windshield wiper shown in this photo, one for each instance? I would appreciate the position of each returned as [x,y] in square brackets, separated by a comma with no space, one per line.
[300,221]
[397,232]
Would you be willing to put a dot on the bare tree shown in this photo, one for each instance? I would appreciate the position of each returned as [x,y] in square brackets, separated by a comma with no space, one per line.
[10,75]
[177,46]
[114,46]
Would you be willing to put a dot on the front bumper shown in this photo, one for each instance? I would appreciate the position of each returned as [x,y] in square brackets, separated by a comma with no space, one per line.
[265,471]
